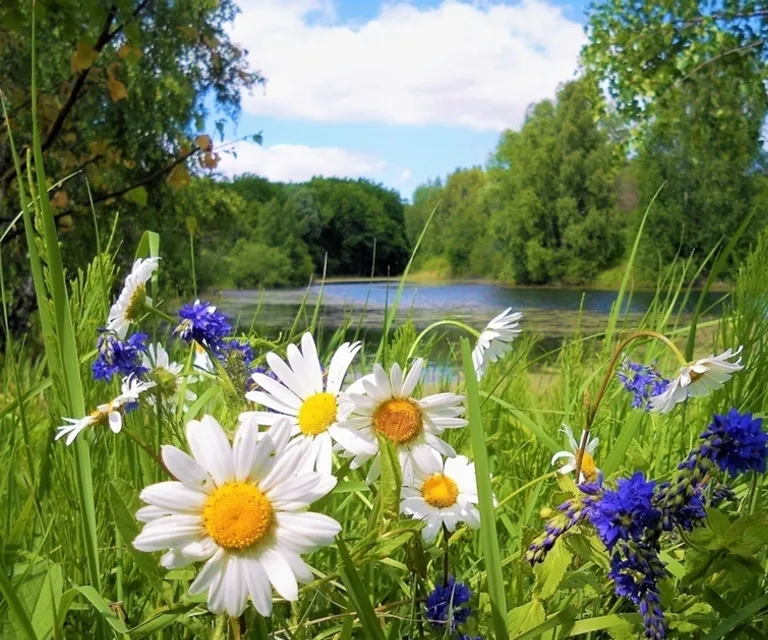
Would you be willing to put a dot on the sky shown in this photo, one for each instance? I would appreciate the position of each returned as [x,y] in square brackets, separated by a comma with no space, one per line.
[399,91]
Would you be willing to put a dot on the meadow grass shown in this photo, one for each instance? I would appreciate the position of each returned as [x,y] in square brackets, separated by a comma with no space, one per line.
[69,569]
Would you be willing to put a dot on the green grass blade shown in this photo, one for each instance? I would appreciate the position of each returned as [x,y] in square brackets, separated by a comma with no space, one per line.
[70,363]
[359,595]
[488,536]
[716,269]
[547,440]
[14,604]
[616,310]
[740,617]
[389,317]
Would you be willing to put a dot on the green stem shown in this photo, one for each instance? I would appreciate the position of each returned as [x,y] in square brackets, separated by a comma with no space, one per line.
[160,314]
[440,323]
[147,449]
[446,556]
[593,406]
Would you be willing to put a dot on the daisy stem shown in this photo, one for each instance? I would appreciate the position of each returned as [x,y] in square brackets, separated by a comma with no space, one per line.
[147,449]
[440,323]
[160,314]
[592,406]
[446,542]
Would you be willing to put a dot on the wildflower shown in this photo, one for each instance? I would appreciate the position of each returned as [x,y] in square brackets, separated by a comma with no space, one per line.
[118,357]
[311,405]
[130,303]
[494,341]
[109,414]
[636,570]
[736,443]
[241,509]
[388,409]
[441,493]
[571,513]
[697,379]
[680,507]
[202,360]
[237,356]
[447,605]
[201,322]
[642,381]
[589,471]
[167,375]
[627,512]
[722,493]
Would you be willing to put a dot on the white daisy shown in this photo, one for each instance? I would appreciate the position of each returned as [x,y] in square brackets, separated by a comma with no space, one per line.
[441,493]
[697,379]
[105,414]
[311,404]
[589,471]
[109,414]
[128,306]
[414,425]
[167,374]
[494,341]
[202,360]
[242,509]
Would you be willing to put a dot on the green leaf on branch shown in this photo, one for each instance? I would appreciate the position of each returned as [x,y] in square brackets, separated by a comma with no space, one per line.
[550,573]
[137,196]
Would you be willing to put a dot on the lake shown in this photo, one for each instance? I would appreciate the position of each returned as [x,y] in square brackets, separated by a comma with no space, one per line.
[551,312]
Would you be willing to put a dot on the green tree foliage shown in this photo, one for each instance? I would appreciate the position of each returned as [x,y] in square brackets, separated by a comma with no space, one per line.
[125,88]
[704,146]
[544,212]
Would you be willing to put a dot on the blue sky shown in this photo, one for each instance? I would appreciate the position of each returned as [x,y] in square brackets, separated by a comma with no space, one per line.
[397,91]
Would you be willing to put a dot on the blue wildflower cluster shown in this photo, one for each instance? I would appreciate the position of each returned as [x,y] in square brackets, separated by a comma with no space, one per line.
[631,519]
[642,381]
[202,323]
[572,512]
[735,442]
[447,605]
[636,570]
[119,357]
[626,513]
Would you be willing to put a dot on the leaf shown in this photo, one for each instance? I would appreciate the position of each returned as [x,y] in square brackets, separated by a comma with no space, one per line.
[83,57]
[161,619]
[204,143]
[210,160]
[358,594]
[525,617]
[391,481]
[190,33]
[740,617]
[550,573]
[117,90]
[95,598]
[178,178]
[126,525]
[60,199]
[17,609]
[488,535]
[748,535]
[137,196]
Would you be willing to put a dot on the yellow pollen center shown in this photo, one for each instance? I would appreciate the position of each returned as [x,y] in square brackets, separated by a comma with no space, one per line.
[100,417]
[588,467]
[237,515]
[317,413]
[695,375]
[399,420]
[133,309]
[439,491]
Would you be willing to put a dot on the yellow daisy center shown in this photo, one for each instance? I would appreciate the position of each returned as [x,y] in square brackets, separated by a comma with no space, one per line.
[439,491]
[317,413]
[588,467]
[133,310]
[99,417]
[399,420]
[237,515]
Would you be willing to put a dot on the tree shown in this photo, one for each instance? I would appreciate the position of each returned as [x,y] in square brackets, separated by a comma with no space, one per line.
[555,196]
[124,94]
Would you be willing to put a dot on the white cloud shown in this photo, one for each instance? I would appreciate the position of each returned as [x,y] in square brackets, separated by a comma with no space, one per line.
[297,163]
[473,65]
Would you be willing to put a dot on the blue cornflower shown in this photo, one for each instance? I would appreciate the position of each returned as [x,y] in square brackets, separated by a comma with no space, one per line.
[201,322]
[636,570]
[642,381]
[681,504]
[736,442]
[239,350]
[627,512]
[119,357]
[447,605]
